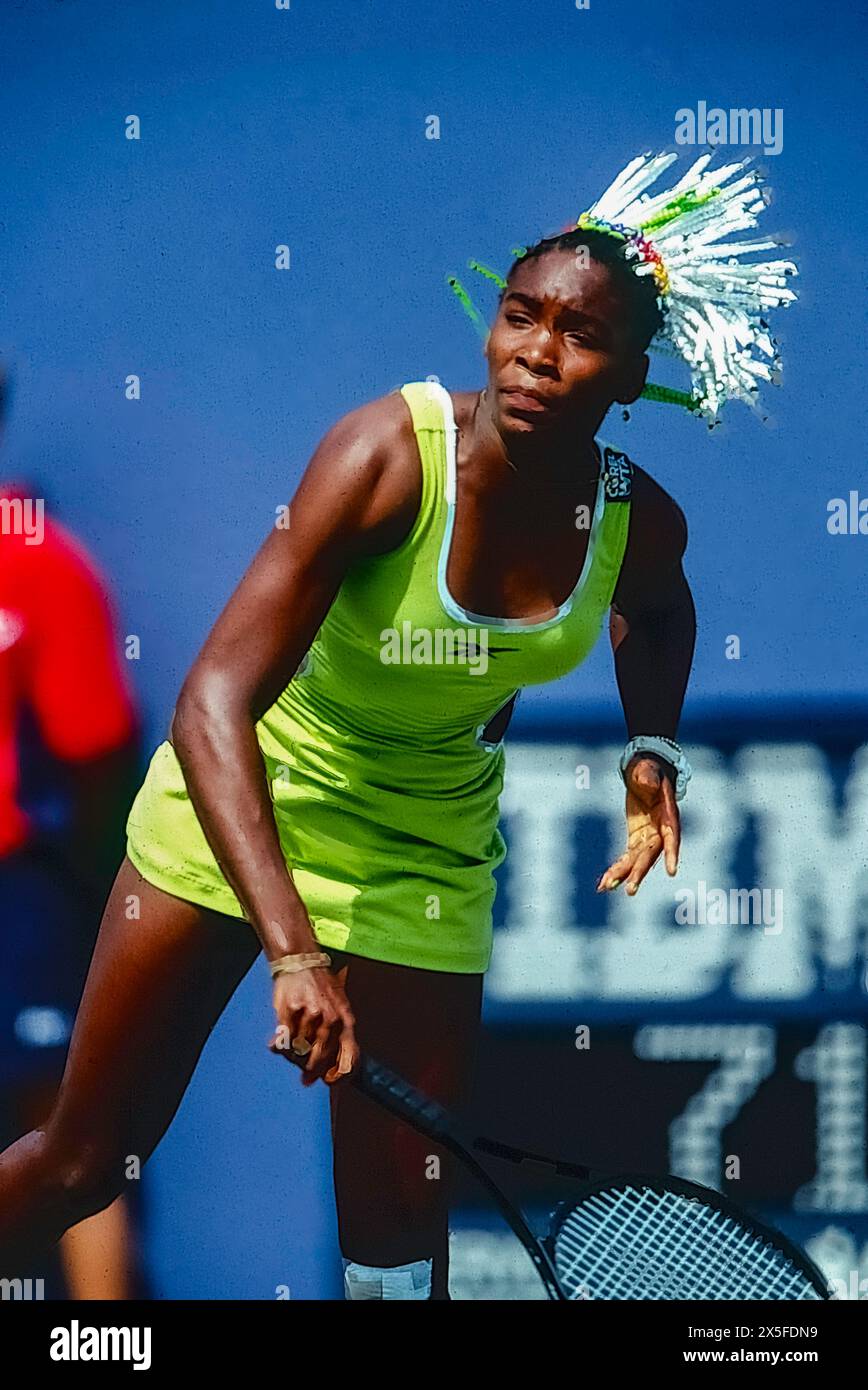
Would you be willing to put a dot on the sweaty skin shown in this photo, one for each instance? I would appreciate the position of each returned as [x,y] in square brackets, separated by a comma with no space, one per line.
[562,333]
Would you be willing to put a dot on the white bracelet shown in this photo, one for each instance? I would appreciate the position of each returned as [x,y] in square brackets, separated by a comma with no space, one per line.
[665,748]
[301,960]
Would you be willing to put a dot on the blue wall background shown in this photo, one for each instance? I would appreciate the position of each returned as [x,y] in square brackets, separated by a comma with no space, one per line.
[307,126]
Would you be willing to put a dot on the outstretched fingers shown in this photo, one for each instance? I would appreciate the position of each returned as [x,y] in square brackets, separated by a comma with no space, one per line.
[645,860]
[616,873]
[670,827]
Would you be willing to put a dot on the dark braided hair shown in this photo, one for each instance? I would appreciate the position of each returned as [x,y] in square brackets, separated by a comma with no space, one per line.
[640,291]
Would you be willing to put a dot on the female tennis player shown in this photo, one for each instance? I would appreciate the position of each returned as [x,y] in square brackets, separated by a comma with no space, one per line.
[336,806]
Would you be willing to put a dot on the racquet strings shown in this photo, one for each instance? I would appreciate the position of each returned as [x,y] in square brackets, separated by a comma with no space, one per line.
[628,1242]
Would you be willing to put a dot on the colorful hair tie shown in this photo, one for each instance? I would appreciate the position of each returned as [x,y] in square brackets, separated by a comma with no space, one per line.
[713,304]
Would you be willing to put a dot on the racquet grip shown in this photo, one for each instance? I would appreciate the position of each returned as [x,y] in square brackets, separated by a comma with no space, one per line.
[395,1094]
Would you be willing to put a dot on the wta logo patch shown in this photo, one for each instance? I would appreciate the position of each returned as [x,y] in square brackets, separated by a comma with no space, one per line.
[617,476]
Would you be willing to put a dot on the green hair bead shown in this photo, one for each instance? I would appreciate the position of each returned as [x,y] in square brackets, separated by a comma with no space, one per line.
[667,396]
[467,304]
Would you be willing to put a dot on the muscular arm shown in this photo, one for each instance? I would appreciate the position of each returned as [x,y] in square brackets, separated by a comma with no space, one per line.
[653,621]
[653,630]
[349,504]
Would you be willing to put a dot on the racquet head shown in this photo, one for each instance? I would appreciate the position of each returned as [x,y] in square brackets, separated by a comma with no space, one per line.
[648,1238]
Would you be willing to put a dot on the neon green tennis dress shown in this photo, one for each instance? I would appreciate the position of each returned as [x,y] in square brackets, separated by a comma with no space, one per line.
[385,796]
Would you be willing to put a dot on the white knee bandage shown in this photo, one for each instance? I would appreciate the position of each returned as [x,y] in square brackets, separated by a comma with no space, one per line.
[402,1281]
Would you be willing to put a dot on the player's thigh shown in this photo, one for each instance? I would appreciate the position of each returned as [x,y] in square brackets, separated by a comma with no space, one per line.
[161,974]
[424,1024]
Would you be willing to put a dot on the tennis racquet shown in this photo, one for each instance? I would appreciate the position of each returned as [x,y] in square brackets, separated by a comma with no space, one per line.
[625,1236]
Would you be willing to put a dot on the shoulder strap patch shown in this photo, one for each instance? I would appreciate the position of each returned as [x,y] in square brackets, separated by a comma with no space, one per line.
[617,475]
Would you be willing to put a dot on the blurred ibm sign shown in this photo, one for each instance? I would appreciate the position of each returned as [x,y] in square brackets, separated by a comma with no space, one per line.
[768,913]
[721,1000]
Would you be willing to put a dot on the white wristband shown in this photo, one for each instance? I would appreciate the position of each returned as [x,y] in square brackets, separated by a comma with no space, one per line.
[665,748]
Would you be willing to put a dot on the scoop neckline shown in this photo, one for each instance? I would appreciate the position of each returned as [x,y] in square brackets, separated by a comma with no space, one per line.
[450,603]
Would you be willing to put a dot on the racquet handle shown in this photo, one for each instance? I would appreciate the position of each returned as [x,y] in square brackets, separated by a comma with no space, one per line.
[396,1094]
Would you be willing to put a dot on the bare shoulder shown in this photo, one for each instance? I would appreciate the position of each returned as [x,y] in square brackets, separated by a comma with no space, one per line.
[366,465]
[381,437]
[658,526]
[368,436]
[651,570]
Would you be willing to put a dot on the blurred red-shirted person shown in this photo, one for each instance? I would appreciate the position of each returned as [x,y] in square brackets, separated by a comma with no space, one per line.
[68,771]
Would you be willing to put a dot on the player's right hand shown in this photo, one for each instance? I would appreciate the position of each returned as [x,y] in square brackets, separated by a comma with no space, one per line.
[315,1024]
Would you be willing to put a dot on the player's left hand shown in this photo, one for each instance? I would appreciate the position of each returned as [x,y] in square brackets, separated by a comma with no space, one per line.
[653,825]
